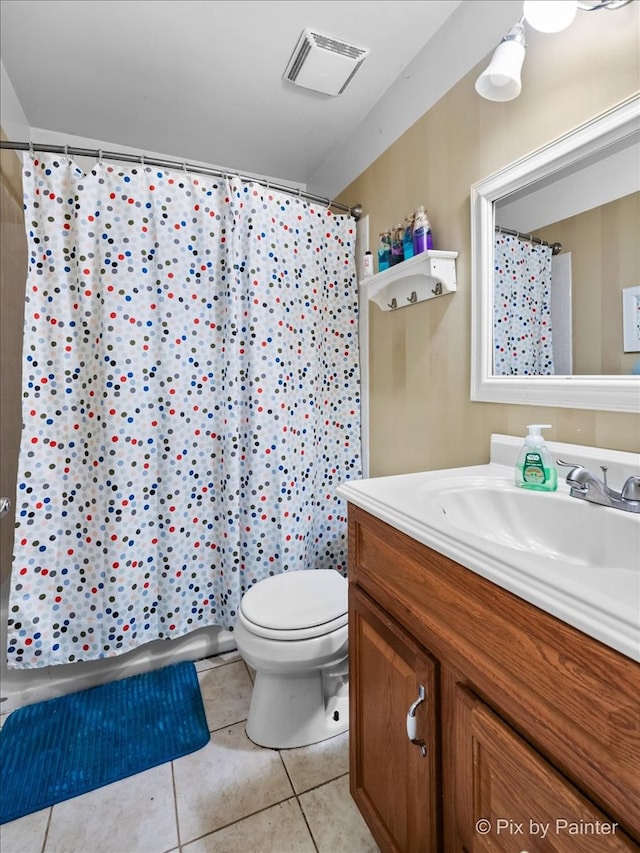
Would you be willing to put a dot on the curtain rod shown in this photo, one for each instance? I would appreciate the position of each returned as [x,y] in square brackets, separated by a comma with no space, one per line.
[556,248]
[99,154]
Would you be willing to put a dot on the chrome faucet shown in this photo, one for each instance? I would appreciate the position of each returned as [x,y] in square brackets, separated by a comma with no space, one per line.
[588,487]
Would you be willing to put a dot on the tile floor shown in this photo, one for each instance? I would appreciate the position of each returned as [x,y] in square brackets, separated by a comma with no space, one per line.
[229,796]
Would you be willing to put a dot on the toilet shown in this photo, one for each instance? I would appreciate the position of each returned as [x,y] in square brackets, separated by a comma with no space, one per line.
[292,630]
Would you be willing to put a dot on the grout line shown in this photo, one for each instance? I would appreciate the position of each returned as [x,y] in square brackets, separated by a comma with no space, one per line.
[306,791]
[228,725]
[215,666]
[46,831]
[295,793]
[175,807]
[322,784]
[246,666]
[304,817]
[241,819]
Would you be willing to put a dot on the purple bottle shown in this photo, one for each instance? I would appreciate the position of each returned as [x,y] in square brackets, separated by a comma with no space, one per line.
[422,237]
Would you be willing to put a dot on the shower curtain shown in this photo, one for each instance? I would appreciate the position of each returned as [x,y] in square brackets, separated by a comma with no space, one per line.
[190,403]
[521,308]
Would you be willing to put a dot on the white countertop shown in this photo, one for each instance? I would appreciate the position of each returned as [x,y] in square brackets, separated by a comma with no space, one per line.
[600,596]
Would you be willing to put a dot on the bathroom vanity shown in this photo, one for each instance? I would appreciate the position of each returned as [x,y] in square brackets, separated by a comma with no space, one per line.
[528,735]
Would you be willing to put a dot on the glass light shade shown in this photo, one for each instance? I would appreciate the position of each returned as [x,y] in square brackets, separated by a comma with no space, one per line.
[501,80]
[550,16]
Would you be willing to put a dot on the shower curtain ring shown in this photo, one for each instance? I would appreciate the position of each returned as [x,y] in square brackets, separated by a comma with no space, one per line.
[142,163]
[31,153]
[100,156]
[66,150]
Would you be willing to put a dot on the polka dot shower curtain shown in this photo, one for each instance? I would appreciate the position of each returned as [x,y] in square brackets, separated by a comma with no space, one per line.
[191,401]
[521,308]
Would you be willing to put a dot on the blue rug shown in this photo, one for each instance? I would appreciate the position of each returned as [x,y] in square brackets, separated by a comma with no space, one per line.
[67,746]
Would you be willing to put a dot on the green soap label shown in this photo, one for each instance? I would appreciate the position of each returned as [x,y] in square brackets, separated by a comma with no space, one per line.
[533,469]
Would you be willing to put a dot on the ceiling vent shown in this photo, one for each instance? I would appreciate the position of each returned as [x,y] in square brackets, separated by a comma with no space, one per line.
[324,64]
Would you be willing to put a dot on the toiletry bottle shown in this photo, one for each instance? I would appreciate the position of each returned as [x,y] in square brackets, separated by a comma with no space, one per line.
[408,237]
[384,251]
[429,237]
[397,245]
[422,237]
[367,264]
[535,468]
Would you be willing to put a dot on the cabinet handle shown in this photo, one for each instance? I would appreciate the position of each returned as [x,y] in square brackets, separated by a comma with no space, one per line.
[411,721]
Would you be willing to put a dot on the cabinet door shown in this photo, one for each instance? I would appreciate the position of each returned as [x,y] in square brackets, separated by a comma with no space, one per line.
[393,781]
[509,798]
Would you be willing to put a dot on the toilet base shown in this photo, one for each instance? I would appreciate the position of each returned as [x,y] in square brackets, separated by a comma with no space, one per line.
[288,711]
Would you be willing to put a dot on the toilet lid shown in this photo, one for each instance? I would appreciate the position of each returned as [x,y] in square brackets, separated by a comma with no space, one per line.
[294,601]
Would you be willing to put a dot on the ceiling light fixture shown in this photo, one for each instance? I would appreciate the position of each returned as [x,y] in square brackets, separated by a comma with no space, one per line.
[501,79]
[549,17]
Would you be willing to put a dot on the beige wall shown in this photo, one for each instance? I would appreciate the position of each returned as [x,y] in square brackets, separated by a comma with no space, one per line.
[13,269]
[605,258]
[421,415]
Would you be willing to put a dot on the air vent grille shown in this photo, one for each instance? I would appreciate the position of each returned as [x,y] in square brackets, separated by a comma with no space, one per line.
[323,63]
[299,61]
[340,47]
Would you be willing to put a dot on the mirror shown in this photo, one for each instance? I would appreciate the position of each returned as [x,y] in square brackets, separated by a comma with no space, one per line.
[594,165]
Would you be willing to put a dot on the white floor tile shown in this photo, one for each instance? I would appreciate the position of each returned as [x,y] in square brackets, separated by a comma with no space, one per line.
[310,766]
[336,824]
[279,829]
[229,796]
[26,834]
[136,814]
[229,779]
[226,693]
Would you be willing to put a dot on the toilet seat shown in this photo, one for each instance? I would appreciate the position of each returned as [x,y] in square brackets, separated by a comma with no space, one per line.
[296,605]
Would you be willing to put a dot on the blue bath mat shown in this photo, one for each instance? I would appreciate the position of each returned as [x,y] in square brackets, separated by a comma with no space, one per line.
[67,746]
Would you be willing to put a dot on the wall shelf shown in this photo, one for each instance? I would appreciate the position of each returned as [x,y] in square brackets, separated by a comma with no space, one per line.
[422,277]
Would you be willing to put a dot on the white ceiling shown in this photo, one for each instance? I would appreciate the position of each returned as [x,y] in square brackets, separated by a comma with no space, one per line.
[201,80]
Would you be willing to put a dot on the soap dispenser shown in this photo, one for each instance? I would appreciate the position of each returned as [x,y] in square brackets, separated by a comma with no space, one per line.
[535,468]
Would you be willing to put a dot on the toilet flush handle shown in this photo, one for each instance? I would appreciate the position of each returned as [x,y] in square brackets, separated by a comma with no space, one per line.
[411,721]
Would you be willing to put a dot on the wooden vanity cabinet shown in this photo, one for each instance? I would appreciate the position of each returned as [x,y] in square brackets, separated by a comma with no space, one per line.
[528,723]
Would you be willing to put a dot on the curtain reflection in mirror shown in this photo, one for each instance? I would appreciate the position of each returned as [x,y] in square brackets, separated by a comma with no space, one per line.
[522,308]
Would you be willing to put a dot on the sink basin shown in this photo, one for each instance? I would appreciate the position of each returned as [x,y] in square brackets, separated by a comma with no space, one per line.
[578,561]
[552,526]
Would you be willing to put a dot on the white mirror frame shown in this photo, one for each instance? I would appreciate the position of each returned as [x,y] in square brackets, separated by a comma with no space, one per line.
[608,393]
